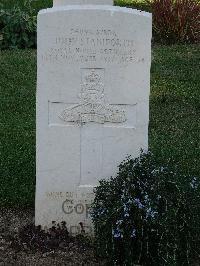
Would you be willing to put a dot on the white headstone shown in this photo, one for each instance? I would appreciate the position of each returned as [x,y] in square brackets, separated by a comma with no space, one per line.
[92,103]
[82,2]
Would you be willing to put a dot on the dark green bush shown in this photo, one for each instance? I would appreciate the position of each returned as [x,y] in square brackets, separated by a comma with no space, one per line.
[36,5]
[18,27]
[143,5]
[148,215]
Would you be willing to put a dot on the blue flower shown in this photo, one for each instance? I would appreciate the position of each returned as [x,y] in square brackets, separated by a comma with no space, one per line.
[146,199]
[159,197]
[119,222]
[150,213]
[117,233]
[138,203]
[126,210]
[194,183]
[133,234]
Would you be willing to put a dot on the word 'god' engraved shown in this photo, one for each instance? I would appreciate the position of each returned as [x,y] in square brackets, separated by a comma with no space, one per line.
[93,106]
[70,207]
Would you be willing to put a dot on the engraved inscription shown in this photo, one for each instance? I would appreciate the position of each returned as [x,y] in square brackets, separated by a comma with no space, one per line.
[91,45]
[71,195]
[93,106]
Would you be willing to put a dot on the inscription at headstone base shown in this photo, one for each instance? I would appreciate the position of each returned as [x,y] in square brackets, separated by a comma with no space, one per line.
[93,88]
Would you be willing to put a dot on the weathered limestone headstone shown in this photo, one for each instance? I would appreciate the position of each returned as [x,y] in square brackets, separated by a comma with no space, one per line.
[92,102]
[85,2]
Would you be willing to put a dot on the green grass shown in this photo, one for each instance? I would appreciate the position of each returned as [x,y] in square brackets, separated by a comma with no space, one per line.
[174,116]
[17,127]
[175,106]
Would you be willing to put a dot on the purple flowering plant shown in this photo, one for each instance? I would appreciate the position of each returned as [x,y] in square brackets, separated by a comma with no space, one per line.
[151,215]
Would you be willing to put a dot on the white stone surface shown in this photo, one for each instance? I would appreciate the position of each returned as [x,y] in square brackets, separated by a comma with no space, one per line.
[84,2]
[92,104]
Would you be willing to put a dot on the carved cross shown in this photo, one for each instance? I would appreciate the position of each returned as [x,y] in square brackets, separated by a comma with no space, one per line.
[94,116]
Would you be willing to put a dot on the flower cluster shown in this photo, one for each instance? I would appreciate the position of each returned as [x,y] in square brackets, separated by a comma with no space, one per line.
[138,213]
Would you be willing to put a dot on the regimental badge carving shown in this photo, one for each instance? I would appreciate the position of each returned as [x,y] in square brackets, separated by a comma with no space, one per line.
[93,106]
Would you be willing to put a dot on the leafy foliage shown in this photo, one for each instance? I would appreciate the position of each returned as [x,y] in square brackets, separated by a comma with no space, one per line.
[33,239]
[18,27]
[37,238]
[36,5]
[176,21]
[148,215]
[136,4]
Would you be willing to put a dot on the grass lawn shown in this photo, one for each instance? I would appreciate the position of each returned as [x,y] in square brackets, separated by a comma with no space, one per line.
[175,106]
[174,116]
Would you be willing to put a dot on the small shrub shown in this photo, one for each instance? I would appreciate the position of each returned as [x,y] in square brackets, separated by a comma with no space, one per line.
[147,215]
[176,21]
[18,27]
[135,4]
[36,5]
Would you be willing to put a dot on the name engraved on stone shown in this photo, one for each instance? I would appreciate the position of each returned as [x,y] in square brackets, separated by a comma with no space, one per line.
[86,45]
[93,106]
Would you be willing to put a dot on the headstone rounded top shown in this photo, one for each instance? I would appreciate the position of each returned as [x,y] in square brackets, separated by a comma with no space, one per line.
[82,2]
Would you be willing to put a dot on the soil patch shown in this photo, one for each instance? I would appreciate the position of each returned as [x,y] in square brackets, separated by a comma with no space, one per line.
[21,243]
